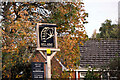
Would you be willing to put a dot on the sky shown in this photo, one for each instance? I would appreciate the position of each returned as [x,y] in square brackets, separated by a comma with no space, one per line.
[98,11]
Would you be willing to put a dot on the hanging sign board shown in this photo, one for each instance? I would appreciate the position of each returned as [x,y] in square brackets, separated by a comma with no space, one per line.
[37,70]
[46,36]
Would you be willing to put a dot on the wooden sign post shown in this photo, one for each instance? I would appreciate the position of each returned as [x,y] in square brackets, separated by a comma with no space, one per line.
[47,42]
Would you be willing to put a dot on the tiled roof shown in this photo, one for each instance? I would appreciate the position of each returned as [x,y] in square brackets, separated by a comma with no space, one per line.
[98,52]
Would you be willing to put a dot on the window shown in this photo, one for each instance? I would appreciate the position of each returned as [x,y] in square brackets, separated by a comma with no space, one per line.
[82,74]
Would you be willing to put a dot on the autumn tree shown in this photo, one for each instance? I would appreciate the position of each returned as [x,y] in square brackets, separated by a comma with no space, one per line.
[18,31]
[109,30]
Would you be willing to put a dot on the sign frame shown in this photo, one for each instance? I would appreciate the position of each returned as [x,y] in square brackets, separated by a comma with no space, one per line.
[47,52]
[55,48]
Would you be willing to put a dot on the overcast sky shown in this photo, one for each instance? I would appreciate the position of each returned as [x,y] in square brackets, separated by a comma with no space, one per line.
[99,11]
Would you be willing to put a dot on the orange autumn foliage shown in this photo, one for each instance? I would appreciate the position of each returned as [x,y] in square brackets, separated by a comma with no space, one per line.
[18,30]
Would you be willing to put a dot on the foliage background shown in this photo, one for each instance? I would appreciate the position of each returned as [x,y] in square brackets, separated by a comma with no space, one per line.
[18,32]
[108,30]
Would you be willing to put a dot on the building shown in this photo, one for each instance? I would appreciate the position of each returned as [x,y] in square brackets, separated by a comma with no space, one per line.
[98,52]
[94,53]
